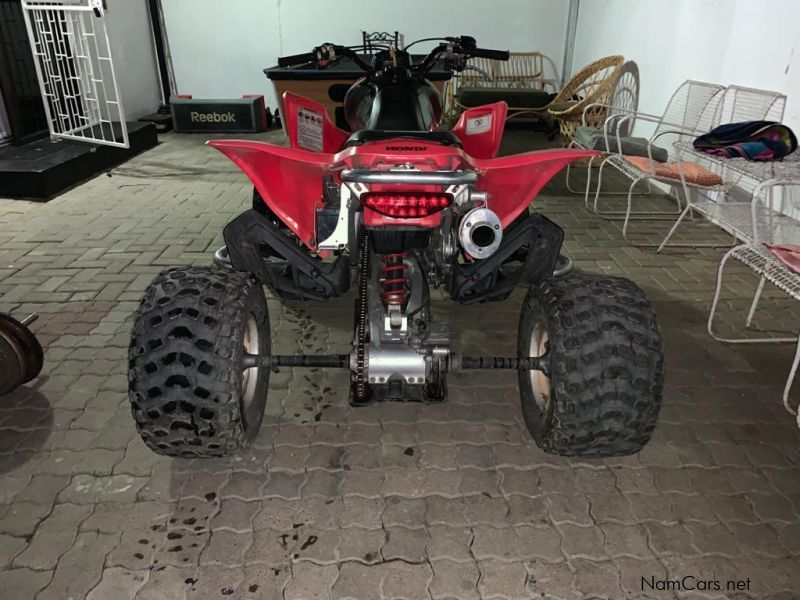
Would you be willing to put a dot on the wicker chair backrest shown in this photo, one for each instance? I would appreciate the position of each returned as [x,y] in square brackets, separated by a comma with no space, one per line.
[521,70]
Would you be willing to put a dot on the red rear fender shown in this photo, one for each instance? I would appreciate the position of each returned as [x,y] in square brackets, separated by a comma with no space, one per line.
[514,181]
[289,180]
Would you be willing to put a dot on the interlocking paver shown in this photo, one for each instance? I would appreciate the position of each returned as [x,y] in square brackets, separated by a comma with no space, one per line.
[672,538]
[235,515]
[583,542]
[21,519]
[356,580]
[361,545]
[118,583]
[502,579]
[403,581]
[598,579]
[226,548]
[548,580]
[454,580]
[23,584]
[71,582]
[54,535]
[310,581]
[362,512]
[408,545]
[564,508]
[269,547]
[626,541]
[10,546]
[401,500]
[451,543]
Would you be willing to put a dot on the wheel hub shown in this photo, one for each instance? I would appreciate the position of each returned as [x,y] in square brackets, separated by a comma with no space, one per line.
[250,375]
[540,381]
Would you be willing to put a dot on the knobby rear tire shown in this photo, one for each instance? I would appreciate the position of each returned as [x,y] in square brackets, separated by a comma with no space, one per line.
[606,376]
[186,383]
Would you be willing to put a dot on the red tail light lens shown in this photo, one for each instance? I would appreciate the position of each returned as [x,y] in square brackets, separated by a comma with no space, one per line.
[406,205]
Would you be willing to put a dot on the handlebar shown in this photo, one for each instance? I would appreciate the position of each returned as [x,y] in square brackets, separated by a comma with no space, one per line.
[455,52]
[492,54]
[323,56]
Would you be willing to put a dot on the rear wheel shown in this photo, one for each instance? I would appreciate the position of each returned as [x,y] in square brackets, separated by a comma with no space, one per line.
[602,391]
[188,391]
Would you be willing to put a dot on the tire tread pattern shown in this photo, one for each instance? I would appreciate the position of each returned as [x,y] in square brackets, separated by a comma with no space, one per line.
[185,376]
[606,361]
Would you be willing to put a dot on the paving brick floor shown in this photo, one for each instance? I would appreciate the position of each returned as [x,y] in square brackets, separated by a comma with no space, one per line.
[394,501]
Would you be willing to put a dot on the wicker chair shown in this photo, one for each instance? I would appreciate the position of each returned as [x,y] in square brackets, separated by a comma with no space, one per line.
[519,81]
[594,84]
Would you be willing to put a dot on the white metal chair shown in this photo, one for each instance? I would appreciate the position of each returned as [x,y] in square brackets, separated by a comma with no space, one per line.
[744,104]
[691,111]
[744,180]
[759,259]
[776,228]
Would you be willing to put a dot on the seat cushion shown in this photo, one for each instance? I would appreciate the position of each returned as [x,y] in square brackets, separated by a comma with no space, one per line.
[593,139]
[692,172]
[514,97]
[374,135]
[788,254]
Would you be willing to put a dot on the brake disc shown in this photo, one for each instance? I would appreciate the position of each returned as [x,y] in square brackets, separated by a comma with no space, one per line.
[21,355]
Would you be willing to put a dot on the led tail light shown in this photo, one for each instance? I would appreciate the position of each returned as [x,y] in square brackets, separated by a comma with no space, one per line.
[405,205]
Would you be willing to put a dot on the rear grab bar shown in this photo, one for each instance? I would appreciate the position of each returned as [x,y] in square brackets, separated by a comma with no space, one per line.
[409,177]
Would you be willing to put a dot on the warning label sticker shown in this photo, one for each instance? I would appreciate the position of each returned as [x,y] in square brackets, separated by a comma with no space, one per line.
[309,129]
[477,125]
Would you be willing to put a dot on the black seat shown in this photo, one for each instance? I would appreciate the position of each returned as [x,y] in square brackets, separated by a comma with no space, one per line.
[374,135]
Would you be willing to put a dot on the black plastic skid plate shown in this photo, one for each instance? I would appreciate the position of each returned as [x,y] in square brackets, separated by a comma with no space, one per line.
[295,273]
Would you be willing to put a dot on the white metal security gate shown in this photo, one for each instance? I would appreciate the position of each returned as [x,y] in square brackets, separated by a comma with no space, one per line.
[5,129]
[73,62]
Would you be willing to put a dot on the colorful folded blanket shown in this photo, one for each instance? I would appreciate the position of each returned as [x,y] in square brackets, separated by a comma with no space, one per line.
[751,140]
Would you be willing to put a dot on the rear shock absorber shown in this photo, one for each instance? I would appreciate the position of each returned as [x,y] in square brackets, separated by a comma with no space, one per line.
[393,279]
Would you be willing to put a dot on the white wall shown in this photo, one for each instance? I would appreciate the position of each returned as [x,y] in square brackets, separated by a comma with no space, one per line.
[220,49]
[740,42]
[134,56]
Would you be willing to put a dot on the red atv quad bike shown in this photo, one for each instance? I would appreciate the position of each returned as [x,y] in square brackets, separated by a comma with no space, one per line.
[393,208]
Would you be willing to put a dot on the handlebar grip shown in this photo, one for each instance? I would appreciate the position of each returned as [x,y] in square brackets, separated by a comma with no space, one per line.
[491,54]
[296,59]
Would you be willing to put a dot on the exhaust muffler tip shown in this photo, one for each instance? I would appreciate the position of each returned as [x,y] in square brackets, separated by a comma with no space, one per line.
[480,232]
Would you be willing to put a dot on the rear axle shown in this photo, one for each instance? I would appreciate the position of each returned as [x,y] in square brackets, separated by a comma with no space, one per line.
[343,361]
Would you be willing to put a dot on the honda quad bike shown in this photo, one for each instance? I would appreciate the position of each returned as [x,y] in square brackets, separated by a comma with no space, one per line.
[392,208]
